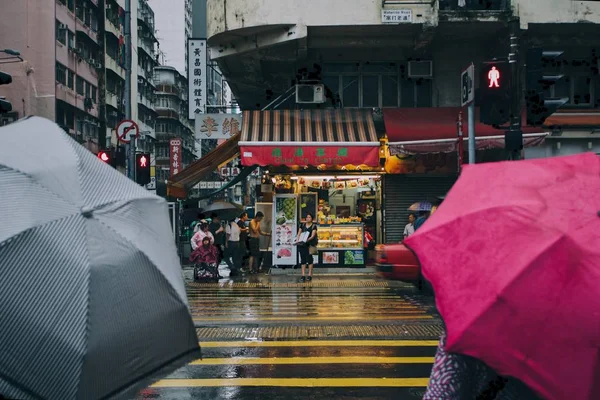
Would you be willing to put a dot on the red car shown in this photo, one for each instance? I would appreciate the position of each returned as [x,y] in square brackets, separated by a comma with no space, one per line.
[398,262]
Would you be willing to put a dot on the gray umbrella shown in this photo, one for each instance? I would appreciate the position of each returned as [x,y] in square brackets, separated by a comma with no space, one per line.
[91,292]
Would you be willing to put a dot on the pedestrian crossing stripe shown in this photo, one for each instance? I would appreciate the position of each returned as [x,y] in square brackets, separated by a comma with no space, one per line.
[312,360]
[324,343]
[320,318]
[293,382]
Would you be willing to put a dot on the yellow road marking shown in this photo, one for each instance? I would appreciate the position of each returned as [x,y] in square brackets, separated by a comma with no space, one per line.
[324,343]
[316,318]
[313,360]
[294,382]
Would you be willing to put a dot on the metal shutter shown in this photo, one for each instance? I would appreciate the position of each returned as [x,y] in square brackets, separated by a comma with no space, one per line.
[400,191]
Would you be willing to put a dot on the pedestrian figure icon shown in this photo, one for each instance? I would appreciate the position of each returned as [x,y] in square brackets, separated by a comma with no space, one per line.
[494,77]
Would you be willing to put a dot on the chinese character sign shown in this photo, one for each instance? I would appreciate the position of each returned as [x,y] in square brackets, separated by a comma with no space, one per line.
[175,156]
[197,76]
[217,126]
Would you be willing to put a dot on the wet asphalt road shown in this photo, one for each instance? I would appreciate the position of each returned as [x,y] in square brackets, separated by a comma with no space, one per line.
[338,337]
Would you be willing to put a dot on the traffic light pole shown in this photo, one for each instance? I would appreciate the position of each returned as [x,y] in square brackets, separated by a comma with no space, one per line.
[515,131]
[130,148]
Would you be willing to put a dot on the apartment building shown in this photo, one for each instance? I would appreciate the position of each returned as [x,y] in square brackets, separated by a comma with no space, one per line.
[172,119]
[76,75]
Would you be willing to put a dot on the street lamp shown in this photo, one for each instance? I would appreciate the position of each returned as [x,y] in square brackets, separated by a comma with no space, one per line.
[14,54]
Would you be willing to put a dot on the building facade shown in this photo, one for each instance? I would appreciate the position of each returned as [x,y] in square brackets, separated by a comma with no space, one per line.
[403,59]
[76,74]
[174,27]
[172,119]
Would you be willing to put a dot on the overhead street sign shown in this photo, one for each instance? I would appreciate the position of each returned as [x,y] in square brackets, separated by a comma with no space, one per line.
[126,130]
[467,92]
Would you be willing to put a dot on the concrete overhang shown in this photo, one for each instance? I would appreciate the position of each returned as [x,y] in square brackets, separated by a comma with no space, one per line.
[247,40]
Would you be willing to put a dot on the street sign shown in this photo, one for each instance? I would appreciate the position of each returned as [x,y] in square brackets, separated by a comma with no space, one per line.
[467,93]
[126,129]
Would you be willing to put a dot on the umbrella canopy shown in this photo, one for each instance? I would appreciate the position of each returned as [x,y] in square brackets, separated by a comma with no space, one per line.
[513,256]
[420,206]
[223,209]
[92,297]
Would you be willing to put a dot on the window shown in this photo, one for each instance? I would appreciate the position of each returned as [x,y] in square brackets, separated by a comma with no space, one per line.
[577,85]
[370,91]
[350,91]
[88,89]
[61,73]
[70,78]
[389,91]
[61,34]
[94,94]
[80,86]
[71,39]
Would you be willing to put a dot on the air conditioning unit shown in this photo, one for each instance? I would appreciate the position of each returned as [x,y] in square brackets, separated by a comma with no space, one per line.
[98,65]
[310,94]
[62,27]
[420,69]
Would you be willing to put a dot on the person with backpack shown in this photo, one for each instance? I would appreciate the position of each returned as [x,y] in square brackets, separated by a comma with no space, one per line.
[307,248]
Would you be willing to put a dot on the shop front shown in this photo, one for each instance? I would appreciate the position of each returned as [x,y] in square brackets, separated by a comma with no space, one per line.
[424,155]
[320,162]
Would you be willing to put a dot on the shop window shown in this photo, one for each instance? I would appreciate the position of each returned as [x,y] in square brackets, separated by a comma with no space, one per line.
[61,74]
[370,91]
[350,96]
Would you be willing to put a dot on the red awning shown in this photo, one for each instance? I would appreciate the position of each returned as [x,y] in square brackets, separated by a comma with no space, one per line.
[434,130]
[309,137]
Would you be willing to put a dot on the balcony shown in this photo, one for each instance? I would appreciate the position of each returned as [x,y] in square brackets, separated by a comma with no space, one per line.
[93,35]
[145,101]
[167,113]
[169,89]
[67,95]
[146,129]
[112,100]
[111,64]
[112,27]
[146,47]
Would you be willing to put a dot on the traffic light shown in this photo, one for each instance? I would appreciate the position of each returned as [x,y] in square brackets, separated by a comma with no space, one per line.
[104,156]
[494,92]
[142,168]
[538,106]
[5,105]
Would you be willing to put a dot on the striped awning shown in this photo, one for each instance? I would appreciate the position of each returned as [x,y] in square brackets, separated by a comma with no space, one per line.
[308,127]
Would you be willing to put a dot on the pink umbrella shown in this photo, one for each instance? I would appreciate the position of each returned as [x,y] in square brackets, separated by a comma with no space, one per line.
[513,255]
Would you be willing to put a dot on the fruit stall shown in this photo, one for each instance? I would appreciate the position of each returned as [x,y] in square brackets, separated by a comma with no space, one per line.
[344,209]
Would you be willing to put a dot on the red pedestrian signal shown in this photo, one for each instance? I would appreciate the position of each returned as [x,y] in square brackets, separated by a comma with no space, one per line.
[494,77]
[142,168]
[103,155]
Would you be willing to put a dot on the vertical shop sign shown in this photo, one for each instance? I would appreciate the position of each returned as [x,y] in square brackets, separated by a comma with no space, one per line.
[197,76]
[175,156]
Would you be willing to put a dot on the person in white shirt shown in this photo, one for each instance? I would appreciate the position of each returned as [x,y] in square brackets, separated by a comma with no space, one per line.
[409,229]
[203,232]
[232,248]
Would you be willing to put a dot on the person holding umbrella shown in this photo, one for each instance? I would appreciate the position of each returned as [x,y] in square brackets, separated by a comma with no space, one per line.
[516,278]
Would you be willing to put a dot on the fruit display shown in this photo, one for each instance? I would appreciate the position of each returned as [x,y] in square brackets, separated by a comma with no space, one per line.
[286,208]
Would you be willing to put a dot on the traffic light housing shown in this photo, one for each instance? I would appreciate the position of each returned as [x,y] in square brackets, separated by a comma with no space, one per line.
[142,168]
[105,156]
[538,106]
[494,92]
[5,105]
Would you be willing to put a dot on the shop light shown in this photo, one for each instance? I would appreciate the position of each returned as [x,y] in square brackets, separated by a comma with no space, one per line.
[337,177]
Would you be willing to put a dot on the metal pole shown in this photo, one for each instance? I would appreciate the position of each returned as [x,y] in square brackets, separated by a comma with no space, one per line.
[515,103]
[460,144]
[130,148]
[472,133]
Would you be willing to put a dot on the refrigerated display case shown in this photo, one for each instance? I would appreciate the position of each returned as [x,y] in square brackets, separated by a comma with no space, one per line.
[341,245]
